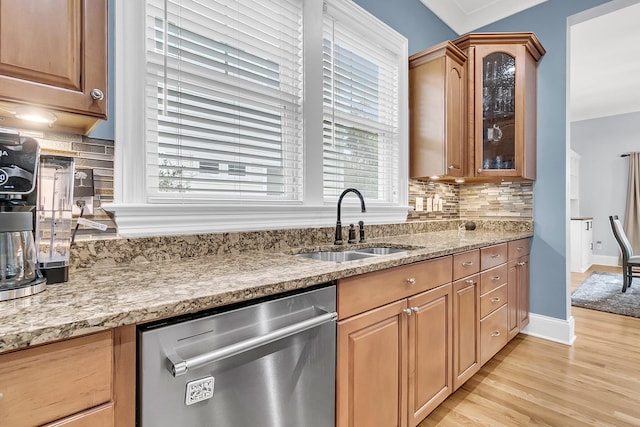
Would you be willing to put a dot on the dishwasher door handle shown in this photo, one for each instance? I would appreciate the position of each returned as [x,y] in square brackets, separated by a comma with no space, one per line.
[178,366]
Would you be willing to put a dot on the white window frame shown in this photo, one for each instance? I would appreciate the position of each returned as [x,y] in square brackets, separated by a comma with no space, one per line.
[136,216]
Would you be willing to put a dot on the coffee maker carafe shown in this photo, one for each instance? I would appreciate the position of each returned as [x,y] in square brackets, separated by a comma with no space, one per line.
[19,273]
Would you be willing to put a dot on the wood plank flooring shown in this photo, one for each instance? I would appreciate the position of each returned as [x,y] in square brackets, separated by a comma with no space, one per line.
[535,382]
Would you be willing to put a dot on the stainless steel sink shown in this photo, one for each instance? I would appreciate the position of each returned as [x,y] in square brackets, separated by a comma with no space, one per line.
[382,250]
[351,255]
[340,256]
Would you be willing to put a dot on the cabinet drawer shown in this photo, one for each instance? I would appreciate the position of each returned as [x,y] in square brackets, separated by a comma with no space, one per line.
[46,383]
[493,333]
[465,264]
[366,291]
[493,255]
[518,248]
[493,278]
[492,300]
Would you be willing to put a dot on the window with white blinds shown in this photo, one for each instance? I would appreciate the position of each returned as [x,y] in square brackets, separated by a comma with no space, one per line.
[361,92]
[224,99]
[256,114]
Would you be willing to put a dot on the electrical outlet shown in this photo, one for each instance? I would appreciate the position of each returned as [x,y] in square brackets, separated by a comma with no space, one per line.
[419,204]
[437,203]
[598,244]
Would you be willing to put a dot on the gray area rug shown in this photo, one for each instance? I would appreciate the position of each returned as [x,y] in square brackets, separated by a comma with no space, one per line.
[603,292]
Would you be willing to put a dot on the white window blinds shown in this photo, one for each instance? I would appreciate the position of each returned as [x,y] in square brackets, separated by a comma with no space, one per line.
[361,109]
[224,99]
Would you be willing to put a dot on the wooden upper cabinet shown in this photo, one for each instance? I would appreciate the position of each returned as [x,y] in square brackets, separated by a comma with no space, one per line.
[437,104]
[53,55]
[502,92]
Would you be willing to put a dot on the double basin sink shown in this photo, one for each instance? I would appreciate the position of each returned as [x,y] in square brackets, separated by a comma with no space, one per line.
[352,254]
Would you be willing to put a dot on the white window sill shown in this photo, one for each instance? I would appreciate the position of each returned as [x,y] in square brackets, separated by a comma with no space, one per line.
[144,220]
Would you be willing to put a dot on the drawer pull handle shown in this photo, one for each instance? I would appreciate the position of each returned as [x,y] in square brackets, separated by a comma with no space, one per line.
[470,282]
[520,264]
[495,278]
[495,255]
[495,299]
[467,263]
[407,311]
[411,280]
[415,309]
[495,333]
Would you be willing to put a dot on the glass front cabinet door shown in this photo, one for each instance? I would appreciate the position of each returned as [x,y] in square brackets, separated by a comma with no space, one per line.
[502,87]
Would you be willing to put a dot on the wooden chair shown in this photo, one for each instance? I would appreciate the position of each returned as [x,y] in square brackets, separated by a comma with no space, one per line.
[630,262]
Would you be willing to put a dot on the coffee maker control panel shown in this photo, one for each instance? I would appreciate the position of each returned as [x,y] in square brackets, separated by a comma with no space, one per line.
[18,163]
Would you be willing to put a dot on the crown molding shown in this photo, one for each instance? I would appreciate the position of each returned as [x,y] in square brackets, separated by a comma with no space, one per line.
[463,16]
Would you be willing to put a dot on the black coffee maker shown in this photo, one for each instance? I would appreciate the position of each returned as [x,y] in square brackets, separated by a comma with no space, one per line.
[19,273]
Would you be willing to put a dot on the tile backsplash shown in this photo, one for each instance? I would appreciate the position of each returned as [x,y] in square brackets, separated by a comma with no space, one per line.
[94,154]
[513,200]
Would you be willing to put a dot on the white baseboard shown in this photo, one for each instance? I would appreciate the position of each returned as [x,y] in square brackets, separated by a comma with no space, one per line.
[550,328]
[605,260]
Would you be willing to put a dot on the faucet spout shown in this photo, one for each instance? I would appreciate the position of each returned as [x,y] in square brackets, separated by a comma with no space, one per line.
[338,239]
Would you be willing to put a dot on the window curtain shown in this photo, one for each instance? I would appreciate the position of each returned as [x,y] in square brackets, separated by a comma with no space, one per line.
[632,216]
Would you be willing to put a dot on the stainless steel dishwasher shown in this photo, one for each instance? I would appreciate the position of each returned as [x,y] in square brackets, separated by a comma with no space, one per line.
[270,364]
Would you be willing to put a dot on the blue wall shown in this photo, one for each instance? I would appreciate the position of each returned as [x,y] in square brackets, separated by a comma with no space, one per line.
[548,252]
[549,21]
[412,19]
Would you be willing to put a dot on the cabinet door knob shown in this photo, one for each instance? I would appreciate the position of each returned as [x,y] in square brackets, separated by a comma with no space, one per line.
[415,309]
[411,280]
[96,94]
[469,282]
[407,311]
[520,264]
[495,333]
[450,167]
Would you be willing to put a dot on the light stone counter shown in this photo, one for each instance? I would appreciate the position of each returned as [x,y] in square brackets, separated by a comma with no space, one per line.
[100,298]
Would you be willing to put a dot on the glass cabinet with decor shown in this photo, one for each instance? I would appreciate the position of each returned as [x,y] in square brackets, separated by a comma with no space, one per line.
[502,89]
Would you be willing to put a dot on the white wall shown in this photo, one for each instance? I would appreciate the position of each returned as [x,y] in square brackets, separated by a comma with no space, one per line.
[603,173]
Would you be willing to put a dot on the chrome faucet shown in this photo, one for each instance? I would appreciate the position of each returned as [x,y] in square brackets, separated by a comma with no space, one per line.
[338,240]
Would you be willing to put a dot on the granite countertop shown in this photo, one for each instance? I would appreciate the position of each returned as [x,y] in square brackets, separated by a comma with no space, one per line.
[96,299]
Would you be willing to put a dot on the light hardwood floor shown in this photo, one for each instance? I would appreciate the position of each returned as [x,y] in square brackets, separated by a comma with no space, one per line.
[535,382]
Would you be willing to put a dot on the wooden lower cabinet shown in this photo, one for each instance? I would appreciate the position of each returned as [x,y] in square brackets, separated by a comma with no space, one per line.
[430,351]
[518,287]
[395,361]
[493,333]
[371,373]
[466,347]
[101,416]
[85,381]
